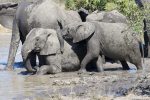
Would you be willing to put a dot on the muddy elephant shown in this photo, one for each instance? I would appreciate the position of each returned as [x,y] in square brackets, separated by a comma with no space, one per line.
[45,43]
[43,14]
[146,28]
[113,16]
[113,40]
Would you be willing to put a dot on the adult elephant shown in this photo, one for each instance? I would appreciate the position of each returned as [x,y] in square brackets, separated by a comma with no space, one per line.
[102,16]
[110,17]
[44,14]
[146,28]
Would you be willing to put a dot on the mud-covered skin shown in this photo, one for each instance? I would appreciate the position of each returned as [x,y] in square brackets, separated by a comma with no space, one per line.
[146,28]
[113,16]
[29,16]
[45,43]
[114,40]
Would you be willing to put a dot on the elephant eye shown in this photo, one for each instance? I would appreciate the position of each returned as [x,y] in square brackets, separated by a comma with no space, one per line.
[37,39]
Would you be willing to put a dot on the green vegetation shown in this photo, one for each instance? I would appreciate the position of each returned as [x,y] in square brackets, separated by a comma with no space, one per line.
[127,7]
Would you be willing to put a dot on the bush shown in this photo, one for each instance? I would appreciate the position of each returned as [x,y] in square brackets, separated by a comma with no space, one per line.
[90,5]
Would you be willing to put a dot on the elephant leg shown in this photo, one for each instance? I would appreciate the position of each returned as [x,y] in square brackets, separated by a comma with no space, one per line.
[92,53]
[135,58]
[138,65]
[104,61]
[137,62]
[15,39]
[84,62]
[149,51]
[60,38]
[99,64]
[48,69]
[124,65]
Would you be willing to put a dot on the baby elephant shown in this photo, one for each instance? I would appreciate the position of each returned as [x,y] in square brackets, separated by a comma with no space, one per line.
[45,43]
[114,40]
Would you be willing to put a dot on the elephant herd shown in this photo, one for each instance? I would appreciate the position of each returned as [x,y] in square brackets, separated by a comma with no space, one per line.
[66,40]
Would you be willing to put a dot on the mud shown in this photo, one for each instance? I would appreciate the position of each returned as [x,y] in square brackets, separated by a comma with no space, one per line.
[112,84]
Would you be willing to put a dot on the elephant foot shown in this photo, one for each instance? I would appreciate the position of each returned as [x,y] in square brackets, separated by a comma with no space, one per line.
[100,70]
[41,71]
[139,67]
[81,71]
[46,69]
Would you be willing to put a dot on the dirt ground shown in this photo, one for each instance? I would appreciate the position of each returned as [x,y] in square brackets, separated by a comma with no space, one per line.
[112,84]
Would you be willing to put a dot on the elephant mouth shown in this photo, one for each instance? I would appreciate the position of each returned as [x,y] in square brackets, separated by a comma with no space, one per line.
[67,37]
[37,49]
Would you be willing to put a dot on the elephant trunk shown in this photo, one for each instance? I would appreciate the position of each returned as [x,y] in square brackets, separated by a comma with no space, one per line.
[26,51]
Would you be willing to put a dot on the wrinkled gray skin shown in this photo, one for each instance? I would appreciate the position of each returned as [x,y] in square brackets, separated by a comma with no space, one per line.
[114,40]
[7,12]
[44,14]
[109,17]
[146,22]
[45,43]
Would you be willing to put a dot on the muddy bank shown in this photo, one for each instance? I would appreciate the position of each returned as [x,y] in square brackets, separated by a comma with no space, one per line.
[71,86]
[112,84]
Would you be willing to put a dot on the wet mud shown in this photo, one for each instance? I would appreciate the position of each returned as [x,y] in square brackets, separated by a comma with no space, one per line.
[112,84]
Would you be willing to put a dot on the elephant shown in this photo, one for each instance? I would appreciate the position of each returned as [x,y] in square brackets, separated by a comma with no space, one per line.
[146,28]
[39,14]
[45,43]
[113,40]
[110,16]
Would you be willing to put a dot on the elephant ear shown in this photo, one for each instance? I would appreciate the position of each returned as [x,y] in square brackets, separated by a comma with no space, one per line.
[52,45]
[83,31]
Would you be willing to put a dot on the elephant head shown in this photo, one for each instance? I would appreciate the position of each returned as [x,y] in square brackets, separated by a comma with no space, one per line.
[78,31]
[41,41]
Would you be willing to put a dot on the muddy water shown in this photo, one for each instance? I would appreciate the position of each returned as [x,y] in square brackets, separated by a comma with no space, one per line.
[111,84]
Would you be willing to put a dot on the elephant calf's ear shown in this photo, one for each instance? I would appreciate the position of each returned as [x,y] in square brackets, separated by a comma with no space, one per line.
[52,45]
[83,31]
